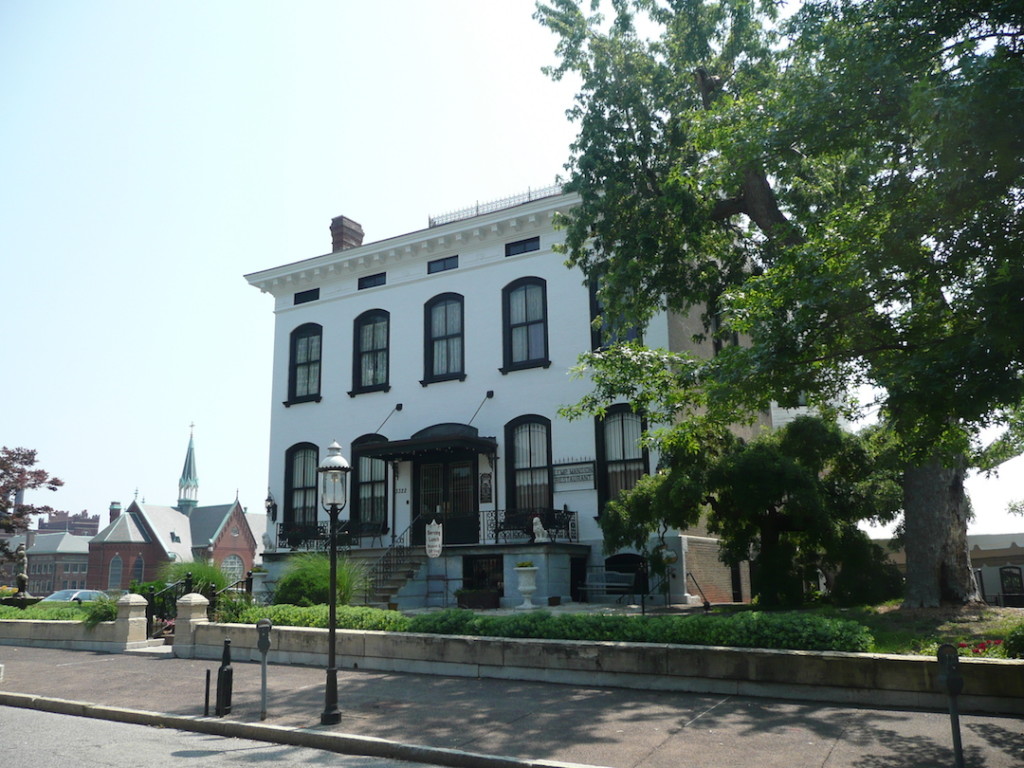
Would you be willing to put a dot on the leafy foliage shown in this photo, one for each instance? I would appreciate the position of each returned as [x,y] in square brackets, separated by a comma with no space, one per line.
[99,610]
[207,578]
[744,630]
[348,617]
[1014,643]
[44,612]
[18,473]
[843,190]
[308,577]
[790,500]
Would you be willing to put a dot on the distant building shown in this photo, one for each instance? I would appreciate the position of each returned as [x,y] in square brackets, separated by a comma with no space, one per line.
[998,563]
[57,561]
[141,539]
[82,524]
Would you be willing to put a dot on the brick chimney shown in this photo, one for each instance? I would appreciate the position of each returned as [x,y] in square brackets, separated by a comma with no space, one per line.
[345,234]
[115,510]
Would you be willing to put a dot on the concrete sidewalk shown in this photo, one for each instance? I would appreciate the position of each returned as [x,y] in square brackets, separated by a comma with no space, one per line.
[494,723]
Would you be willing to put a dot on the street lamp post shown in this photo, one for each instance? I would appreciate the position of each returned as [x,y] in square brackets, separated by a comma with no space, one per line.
[334,476]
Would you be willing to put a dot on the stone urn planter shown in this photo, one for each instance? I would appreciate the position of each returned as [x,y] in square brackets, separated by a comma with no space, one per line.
[527,575]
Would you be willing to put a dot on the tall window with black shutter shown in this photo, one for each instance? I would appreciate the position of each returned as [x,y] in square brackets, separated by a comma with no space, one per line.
[304,363]
[525,324]
[300,497]
[370,361]
[622,460]
[369,484]
[528,441]
[443,338]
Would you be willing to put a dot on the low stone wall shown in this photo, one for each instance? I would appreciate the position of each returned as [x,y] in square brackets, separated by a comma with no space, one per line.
[991,685]
[127,632]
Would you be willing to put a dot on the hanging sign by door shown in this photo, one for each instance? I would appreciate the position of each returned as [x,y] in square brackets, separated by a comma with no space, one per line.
[435,539]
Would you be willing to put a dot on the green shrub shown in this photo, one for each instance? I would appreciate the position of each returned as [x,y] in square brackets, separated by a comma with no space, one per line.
[867,575]
[43,612]
[308,576]
[749,629]
[230,605]
[207,578]
[99,610]
[1014,643]
[348,617]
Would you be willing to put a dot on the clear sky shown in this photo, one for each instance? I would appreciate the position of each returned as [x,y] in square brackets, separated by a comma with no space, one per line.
[152,153]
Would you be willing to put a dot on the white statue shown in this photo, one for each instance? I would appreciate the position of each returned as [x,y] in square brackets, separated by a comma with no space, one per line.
[539,534]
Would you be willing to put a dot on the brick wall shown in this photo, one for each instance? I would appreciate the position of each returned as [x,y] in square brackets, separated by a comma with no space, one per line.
[714,576]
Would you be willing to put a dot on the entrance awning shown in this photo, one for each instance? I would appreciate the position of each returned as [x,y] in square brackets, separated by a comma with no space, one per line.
[441,438]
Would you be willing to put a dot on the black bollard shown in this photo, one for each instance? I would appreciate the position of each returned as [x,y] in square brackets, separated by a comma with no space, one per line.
[224,680]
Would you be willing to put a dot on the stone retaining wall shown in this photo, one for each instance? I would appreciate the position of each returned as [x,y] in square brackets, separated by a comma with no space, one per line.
[128,632]
[991,685]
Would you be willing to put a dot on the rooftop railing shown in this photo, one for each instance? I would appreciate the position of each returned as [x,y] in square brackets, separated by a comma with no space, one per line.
[495,205]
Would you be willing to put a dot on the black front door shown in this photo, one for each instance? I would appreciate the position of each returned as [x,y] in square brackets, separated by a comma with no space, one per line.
[445,490]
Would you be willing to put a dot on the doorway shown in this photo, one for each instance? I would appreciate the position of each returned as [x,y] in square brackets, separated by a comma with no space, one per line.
[444,488]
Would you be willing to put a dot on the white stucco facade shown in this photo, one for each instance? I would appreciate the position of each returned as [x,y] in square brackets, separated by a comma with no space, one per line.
[417,426]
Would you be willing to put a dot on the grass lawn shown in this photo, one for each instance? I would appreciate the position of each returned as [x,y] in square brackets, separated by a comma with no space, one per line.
[922,630]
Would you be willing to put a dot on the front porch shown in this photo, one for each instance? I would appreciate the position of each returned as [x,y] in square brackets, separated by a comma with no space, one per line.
[478,555]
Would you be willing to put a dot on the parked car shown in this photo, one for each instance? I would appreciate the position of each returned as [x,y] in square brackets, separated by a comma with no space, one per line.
[74,596]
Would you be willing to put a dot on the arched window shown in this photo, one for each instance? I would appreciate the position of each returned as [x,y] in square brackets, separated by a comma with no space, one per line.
[442,344]
[622,461]
[528,445]
[300,485]
[115,572]
[370,352]
[138,568]
[304,364]
[369,482]
[525,324]
[233,568]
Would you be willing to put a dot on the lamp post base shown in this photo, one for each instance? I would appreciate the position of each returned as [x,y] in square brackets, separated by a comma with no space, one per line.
[331,714]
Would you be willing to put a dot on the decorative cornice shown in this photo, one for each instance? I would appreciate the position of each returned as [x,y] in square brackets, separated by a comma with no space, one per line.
[421,244]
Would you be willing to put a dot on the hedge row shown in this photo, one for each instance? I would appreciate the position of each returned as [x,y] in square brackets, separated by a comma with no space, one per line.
[742,630]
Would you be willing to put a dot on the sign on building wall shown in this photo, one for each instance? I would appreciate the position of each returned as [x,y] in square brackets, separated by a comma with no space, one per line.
[578,476]
[486,488]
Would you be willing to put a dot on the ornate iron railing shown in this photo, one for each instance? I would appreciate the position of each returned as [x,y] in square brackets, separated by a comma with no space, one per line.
[302,536]
[518,525]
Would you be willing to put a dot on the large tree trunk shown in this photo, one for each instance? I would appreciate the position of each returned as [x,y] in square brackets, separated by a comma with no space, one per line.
[938,561]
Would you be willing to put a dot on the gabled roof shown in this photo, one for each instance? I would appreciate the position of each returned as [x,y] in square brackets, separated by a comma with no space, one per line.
[178,534]
[208,522]
[171,529]
[59,543]
[123,529]
[145,523]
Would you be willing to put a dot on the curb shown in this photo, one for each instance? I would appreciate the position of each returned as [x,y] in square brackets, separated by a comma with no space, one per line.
[342,743]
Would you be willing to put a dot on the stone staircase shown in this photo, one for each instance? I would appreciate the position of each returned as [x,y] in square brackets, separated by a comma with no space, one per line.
[404,570]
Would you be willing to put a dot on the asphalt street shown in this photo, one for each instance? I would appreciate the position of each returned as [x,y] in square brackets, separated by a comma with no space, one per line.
[502,723]
[44,740]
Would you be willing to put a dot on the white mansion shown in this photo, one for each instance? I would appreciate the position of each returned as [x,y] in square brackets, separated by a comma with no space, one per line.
[439,360]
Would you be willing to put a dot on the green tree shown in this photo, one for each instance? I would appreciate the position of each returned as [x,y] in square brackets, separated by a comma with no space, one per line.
[18,473]
[789,501]
[845,190]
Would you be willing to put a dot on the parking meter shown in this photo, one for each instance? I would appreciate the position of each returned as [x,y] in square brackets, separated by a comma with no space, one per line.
[263,635]
[951,677]
[263,627]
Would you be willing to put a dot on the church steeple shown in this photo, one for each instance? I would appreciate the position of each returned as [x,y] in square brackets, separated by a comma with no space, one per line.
[188,485]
